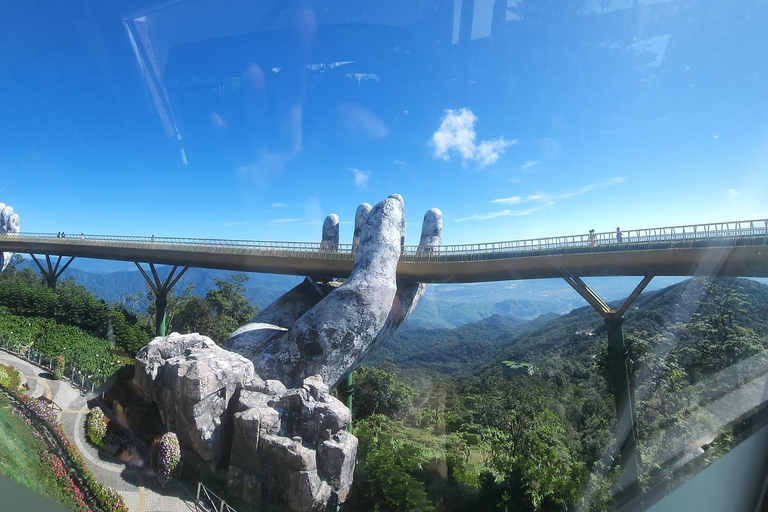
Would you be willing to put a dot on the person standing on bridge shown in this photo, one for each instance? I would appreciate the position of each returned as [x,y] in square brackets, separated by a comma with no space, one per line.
[153,238]
[592,238]
[618,235]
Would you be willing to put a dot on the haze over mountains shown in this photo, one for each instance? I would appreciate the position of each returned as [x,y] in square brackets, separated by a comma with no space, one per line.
[443,305]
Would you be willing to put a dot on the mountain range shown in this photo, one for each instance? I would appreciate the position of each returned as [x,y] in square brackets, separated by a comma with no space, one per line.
[443,306]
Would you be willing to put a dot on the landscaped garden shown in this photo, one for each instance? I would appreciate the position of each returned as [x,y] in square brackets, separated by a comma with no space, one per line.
[35,452]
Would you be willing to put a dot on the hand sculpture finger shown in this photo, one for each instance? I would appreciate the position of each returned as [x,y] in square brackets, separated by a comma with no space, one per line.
[301,335]
[9,225]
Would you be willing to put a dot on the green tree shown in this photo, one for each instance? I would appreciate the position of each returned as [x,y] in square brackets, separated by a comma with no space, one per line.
[380,392]
[385,474]
[228,299]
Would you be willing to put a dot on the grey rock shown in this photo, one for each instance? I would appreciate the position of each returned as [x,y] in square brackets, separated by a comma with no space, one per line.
[278,437]
[337,462]
[280,441]
[193,380]
[9,226]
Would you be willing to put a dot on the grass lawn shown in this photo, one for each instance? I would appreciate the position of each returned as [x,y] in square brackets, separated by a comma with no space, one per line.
[20,453]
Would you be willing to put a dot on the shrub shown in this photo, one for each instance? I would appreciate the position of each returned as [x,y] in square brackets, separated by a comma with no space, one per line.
[58,367]
[166,455]
[9,378]
[96,426]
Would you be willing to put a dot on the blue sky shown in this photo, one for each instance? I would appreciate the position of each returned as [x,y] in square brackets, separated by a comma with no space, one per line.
[517,120]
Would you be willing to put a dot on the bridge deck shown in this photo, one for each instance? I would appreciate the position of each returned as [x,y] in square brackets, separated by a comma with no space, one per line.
[737,249]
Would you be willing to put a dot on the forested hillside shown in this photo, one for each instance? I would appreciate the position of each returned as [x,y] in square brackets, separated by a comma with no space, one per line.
[696,350]
[440,428]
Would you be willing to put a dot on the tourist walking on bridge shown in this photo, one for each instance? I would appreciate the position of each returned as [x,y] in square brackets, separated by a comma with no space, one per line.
[618,235]
[592,239]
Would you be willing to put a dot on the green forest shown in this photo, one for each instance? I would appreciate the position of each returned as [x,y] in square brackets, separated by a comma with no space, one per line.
[440,428]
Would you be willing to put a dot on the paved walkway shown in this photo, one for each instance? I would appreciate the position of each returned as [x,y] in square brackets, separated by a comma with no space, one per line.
[133,479]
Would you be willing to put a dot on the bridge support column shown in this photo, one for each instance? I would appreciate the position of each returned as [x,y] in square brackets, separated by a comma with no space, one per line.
[51,272]
[626,420]
[345,395]
[161,288]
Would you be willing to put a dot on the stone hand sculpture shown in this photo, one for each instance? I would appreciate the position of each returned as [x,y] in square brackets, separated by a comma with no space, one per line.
[311,332]
[234,408]
[9,225]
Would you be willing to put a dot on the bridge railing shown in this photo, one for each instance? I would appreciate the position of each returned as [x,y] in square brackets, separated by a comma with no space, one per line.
[752,231]
[632,239]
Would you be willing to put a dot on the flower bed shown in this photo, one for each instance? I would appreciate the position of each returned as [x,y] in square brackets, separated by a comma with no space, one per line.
[42,415]
[166,455]
[71,490]
[96,426]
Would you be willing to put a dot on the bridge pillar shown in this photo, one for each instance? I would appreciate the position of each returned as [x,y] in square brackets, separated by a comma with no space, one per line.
[161,288]
[625,403]
[51,272]
[346,390]
[161,306]
[626,420]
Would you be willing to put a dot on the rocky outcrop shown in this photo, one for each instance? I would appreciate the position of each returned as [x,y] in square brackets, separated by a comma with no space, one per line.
[293,445]
[283,445]
[193,382]
[9,225]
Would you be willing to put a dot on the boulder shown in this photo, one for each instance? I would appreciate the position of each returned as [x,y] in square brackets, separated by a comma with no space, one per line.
[193,381]
[292,448]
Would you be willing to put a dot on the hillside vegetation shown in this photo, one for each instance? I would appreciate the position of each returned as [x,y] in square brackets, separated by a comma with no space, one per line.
[441,429]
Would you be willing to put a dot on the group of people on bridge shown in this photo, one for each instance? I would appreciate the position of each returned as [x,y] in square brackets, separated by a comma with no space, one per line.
[593,237]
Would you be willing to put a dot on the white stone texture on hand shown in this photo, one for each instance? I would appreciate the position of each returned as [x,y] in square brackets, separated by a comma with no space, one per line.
[304,333]
[9,225]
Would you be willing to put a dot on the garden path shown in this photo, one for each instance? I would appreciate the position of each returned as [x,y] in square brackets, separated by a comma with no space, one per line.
[132,479]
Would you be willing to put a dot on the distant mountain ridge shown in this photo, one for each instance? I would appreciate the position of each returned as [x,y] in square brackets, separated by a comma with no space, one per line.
[444,306]
[553,342]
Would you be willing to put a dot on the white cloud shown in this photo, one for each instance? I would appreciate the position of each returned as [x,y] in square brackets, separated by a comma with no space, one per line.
[279,205]
[361,177]
[457,135]
[493,215]
[236,223]
[519,200]
[731,193]
[582,190]
[546,199]
[285,221]
[529,165]
[488,151]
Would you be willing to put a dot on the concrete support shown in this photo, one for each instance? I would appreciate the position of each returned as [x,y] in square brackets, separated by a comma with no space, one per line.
[51,272]
[626,434]
[345,395]
[626,420]
[161,288]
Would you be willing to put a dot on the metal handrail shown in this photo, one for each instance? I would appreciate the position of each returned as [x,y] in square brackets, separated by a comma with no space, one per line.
[750,232]
[209,495]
